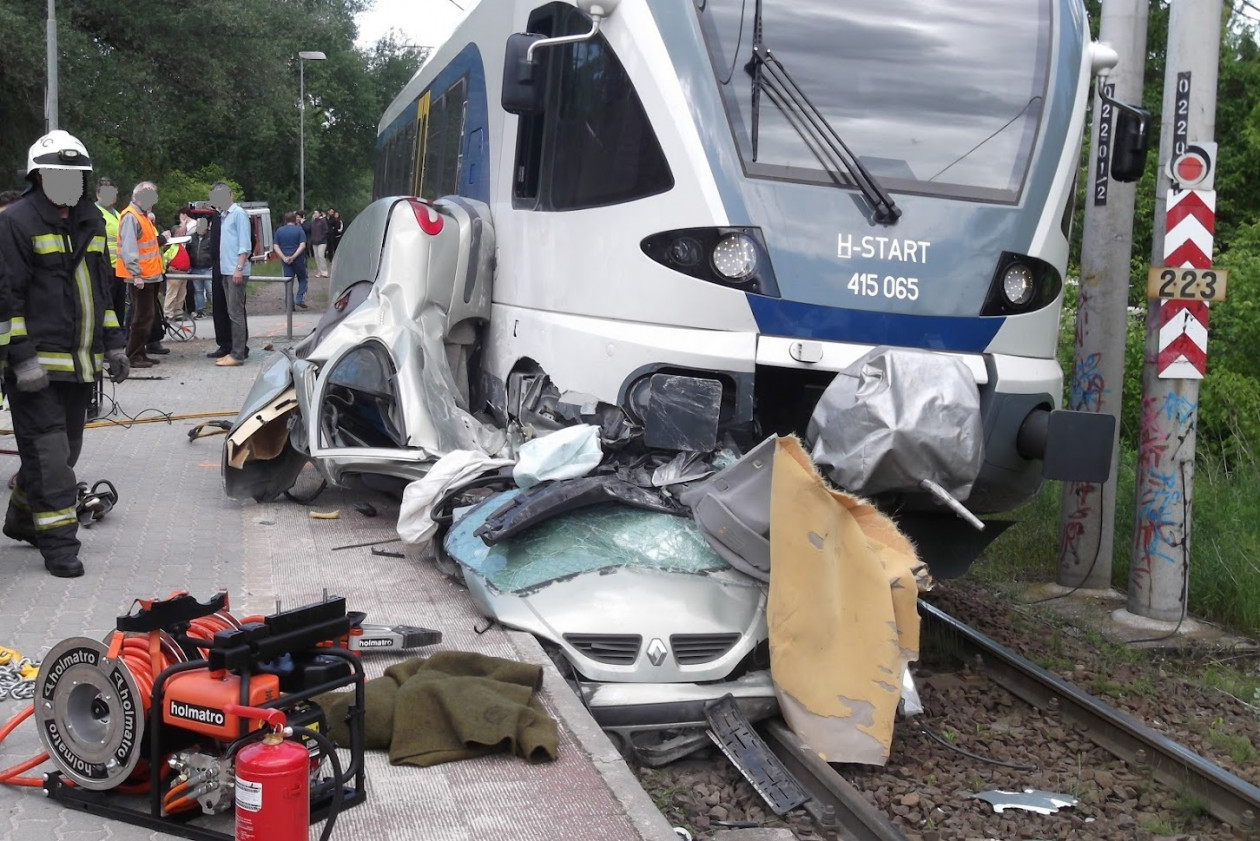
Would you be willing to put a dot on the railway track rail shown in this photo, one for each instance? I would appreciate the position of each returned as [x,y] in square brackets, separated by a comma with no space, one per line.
[1226,797]
[839,808]
[836,806]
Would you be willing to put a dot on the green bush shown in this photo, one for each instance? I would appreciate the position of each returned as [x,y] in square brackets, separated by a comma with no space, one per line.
[1229,415]
[177,188]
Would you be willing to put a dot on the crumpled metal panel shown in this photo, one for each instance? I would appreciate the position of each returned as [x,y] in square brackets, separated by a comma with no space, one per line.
[263,479]
[429,292]
[896,417]
[732,510]
[413,308]
[359,252]
[599,538]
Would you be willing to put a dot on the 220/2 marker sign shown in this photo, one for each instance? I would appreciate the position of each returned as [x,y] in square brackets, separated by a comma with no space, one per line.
[1186,284]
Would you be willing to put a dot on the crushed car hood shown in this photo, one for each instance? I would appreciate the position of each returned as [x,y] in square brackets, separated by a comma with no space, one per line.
[628,594]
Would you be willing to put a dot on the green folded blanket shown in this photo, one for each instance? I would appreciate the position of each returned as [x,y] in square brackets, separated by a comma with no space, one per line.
[453,705]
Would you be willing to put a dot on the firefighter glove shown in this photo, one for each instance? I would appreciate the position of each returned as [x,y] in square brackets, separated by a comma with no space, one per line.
[117,365]
[30,375]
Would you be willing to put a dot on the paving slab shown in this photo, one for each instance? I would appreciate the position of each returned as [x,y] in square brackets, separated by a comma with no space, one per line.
[174,530]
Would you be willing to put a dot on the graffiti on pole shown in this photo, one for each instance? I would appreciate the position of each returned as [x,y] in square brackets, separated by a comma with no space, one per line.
[1163,498]
[1077,525]
[1089,387]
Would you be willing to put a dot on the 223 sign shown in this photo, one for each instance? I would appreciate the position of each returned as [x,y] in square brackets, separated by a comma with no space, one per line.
[1186,284]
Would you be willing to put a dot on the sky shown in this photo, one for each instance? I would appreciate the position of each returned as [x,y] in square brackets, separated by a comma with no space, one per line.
[420,22]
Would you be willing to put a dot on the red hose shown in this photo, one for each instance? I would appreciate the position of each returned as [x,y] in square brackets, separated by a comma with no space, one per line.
[9,776]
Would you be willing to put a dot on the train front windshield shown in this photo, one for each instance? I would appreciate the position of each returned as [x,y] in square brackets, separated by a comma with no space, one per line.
[934,98]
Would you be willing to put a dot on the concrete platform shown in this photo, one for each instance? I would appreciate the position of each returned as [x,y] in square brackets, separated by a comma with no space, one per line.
[173,529]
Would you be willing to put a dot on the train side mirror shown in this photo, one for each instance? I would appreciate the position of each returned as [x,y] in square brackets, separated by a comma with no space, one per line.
[1131,139]
[522,75]
[1131,144]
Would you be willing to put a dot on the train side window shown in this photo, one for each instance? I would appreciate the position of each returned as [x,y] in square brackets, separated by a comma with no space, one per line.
[593,144]
[404,157]
[444,142]
[394,169]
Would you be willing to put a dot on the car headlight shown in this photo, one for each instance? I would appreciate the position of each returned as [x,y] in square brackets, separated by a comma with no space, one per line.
[735,256]
[1018,284]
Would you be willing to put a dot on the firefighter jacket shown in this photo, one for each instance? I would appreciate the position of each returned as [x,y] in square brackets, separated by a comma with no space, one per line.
[148,259]
[55,281]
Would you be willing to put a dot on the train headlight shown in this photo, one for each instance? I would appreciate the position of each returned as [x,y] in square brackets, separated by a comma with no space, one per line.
[1021,284]
[1018,284]
[735,256]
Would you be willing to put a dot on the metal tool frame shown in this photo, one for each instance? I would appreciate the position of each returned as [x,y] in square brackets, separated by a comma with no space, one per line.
[303,630]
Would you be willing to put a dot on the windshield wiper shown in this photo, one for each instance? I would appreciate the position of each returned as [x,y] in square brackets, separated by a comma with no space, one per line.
[769,74]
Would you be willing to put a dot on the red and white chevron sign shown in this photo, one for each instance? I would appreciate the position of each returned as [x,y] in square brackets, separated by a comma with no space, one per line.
[1182,340]
[1190,224]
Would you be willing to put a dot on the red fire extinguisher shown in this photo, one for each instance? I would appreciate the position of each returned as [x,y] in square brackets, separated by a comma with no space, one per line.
[273,779]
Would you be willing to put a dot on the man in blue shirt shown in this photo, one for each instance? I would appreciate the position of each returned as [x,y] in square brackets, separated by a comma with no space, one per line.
[235,245]
[289,245]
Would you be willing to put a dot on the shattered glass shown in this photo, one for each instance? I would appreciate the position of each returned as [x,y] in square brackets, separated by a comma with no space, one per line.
[597,538]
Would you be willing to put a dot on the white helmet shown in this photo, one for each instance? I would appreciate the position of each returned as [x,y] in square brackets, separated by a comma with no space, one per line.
[57,150]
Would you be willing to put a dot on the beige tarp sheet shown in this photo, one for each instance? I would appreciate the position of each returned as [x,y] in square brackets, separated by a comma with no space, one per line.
[842,612]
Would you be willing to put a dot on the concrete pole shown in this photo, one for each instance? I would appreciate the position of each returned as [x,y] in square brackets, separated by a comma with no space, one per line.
[51,104]
[1159,571]
[1087,529]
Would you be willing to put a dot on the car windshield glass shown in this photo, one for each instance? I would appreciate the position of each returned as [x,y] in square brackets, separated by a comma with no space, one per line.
[932,97]
[587,540]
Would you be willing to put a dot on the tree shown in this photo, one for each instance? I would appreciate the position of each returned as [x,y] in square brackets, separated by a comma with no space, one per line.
[167,91]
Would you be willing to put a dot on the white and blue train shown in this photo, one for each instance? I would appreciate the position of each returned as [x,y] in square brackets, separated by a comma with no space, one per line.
[702,221]
[758,194]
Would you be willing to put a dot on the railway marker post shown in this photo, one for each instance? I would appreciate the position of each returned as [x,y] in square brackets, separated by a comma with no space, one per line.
[1159,571]
[1087,525]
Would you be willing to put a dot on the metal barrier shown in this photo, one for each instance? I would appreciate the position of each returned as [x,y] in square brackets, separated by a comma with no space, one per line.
[288,292]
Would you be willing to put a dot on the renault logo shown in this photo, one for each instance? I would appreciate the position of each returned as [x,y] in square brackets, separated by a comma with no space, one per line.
[656,652]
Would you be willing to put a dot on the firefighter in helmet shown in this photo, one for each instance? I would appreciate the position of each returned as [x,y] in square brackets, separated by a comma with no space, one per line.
[55,278]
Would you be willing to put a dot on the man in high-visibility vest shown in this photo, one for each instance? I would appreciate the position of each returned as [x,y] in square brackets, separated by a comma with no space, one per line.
[54,274]
[139,265]
[106,197]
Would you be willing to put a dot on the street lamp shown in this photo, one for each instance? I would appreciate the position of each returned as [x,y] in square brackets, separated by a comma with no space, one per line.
[50,96]
[303,56]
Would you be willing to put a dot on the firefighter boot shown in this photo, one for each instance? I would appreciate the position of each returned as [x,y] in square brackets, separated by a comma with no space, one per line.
[65,566]
[18,524]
